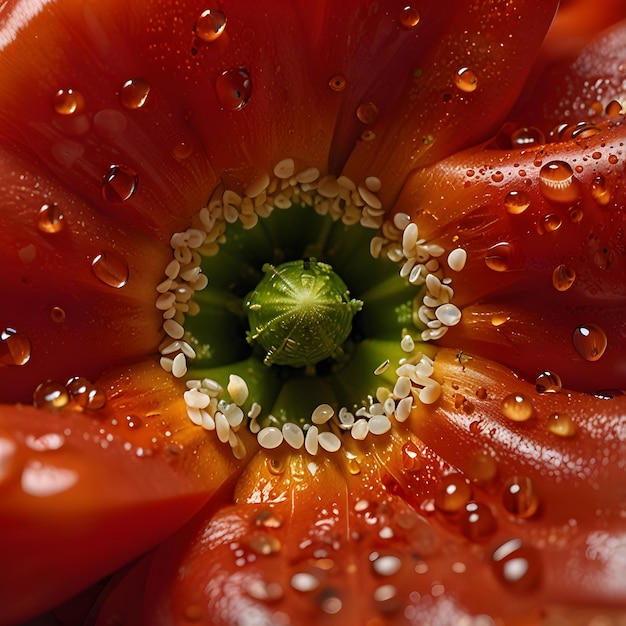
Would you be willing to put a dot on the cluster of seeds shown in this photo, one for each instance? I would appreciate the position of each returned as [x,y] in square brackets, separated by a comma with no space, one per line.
[207,407]
[420,263]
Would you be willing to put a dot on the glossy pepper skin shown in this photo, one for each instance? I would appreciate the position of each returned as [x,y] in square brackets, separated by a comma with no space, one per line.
[114,131]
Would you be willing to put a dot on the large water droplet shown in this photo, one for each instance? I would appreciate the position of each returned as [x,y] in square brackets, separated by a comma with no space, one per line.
[134,93]
[548,382]
[563,277]
[119,184]
[557,182]
[562,425]
[517,407]
[50,218]
[519,497]
[477,522]
[409,17]
[452,493]
[367,113]
[51,395]
[411,457]
[551,222]
[516,565]
[527,136]
[499,257]
[68,102]
[589,341]
[111,268]
[482,467]
[210,25]
[15,348]
[233,89]
[466,80]
[516,202]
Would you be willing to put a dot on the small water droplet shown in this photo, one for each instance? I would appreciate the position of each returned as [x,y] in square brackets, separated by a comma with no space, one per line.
[613,159]
[68,102]
[337,82]
[50,218]
[410,457]
[466,80]
[452,493]
[600,191]
[183,150]
[527,136]
[111,268]
[575,214]
[603,258]
[589,341]
[557,182]
[516,565]
[478,522]
[548,382]
[519,497]
[409,17]
[367,113]
[233,89]
[51,395]
[517,407]
[562,425]
[551,222]
[499,257]
[57,314]
[263,543]
[15,348]
[134,93]
[516,202]
[563,277]
[210,25]
[497,177]
[482,467]
[119,184]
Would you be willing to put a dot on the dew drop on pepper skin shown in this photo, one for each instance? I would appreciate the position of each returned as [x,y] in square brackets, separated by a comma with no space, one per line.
[233,89]
[477,521]
[551,223]
[210,25]
[516,202]
[527,136]
[119,184]
[600,190]
[517,565]
[557,182]
[519,497]
[452,493]
[57,314]
[134,93]
[68,102]
[465,80]
[51,395]
[563,277]
[517,407]
[562,425]
[111,269]
[482,467]
[409,17]
[15,348]
[499,257]
[410,457]
[548,382]
[50,218]
[337,82]
[575,214]
[367,113]
[589,341]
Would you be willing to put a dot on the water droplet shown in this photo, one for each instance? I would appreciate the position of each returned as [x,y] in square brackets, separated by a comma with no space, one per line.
[268,519]
[452,493]
[551,222]
[68,102]
[15,348]
[233,89]
[409,17]
[584,130]
[111,268]
[575,214]
[134,93]
[600,190]
[613,108]
[589,341]
[499,257]
[562,425]
[210,25]
[563,277]
[466,80]
[51,395]
[548,382]
[262,543]
[516,202]
[410,457]
[612,159]
[337,82]
[482,467]
[527,136]
[119,184]
[516,565]
[519,497]
[57,314]
[497,177]
[477,522]
[517,407]
[183,150]
[367,113]
[50,218]
[604,258]
[557,182]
